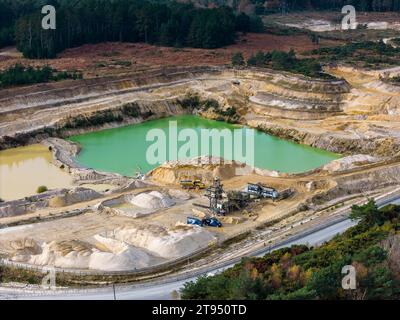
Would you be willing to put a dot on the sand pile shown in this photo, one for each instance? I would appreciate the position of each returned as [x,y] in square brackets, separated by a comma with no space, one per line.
[163,242]
[25,247]
[138,205]
[231,220]
[349,163]
[153,200]
[108,255]
[199,214]
[120,257]
[65,254]
[179,194]
[202,168]
[73,196]
[118,250]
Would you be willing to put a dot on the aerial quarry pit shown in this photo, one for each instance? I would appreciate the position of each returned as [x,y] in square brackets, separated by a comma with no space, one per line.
[102,222]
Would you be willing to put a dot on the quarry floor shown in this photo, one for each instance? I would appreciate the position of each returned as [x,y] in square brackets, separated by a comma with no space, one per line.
[370,111]
[86,225]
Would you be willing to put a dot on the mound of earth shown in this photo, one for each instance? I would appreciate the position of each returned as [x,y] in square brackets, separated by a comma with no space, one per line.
[202,168]
[349,163]
[166,243]
[65,254]
[113,255]
[152,200]
[122,249]
[73,196]
[179,194]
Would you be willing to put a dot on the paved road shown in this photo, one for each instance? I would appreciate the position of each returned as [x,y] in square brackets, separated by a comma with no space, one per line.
[163,291]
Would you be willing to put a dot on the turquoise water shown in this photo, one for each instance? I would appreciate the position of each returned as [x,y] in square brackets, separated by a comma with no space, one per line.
[123,150]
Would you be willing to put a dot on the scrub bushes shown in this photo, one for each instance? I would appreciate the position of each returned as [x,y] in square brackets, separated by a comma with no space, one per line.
[42,189]
[21,75]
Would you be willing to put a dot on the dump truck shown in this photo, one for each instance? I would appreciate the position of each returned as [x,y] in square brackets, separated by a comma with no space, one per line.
[193,184]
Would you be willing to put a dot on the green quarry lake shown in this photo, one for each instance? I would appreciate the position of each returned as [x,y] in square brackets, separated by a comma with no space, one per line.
[123,150]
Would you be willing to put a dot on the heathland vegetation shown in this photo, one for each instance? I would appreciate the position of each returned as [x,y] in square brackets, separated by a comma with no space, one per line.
[282,61]
[300,272]
[368,54]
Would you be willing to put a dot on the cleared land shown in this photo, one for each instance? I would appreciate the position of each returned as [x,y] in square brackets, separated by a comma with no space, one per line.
[116,58]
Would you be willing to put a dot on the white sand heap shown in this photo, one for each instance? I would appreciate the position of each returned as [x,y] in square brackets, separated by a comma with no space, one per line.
[118,250]
[179,194]
[121,257]
[350,162]
[152,200]
[113,256]
[166,243]
[139,205]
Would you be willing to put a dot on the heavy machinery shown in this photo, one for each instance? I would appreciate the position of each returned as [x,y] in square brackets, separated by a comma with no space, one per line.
[262,191]
[193,184]
[221,203]
[215,194]
[209,222]
[212,222]
[194,221]
[237,200]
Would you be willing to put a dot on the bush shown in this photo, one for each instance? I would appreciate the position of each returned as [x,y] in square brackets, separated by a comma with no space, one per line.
[238,59]
[41,189]
[131,109]
[260,59]
[287,61]
[21,75]
[210,104]
[190,102]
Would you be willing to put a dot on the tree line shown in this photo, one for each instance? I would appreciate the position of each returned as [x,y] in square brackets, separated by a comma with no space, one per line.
[270,6]
[303,273]
[95,21]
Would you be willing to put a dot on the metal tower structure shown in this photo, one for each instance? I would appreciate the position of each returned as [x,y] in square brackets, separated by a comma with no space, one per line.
[214,193]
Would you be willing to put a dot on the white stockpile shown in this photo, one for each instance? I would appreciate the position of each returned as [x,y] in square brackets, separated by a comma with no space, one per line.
[152,200]
[121,249]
